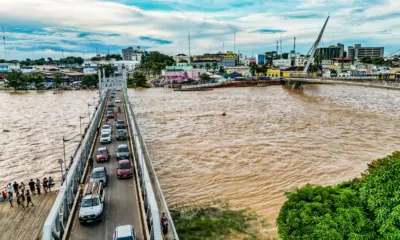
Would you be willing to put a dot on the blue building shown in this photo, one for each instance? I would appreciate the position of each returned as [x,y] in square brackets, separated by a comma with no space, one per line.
[260,59]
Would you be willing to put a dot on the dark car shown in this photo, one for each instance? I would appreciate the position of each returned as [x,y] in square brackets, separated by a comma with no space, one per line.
[110,114]
[120,124]
[122,134]
[124,169]
[111,105]
[123,152]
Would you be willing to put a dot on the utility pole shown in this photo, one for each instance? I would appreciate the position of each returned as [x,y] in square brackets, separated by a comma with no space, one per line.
[281,44]
[294,45]
[277,47]
[189,48]
[4,41]
[234,41]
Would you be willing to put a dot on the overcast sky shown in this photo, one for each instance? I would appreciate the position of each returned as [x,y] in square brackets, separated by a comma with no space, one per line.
[46,28]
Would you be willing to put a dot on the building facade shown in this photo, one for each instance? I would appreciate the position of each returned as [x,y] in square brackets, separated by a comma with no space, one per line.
[357,52]
[179,76]
[181,58]
[327,53]
[8,67]
[131,54]
[260,59]
[282,63]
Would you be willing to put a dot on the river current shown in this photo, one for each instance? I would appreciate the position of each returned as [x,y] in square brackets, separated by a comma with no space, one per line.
[270,141]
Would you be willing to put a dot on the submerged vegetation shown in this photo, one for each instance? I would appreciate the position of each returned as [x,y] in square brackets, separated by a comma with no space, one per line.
[216,221]
[364,208]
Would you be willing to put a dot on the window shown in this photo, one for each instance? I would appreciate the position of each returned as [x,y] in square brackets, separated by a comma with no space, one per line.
[90,202]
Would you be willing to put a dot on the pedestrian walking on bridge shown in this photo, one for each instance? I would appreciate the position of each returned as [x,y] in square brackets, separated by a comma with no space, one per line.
[38,186]
[10,198]
[28,198]
[32,186]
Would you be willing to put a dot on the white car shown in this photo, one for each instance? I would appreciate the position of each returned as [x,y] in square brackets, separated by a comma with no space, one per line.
[106,129]
[117,100]
[91,209]
[105,138]
[125,232]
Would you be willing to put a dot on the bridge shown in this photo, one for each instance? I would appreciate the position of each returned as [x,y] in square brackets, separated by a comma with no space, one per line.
[138,201]
[297,82]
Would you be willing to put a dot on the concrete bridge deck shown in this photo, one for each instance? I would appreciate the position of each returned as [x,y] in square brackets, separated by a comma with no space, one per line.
[121,205]
[25,224]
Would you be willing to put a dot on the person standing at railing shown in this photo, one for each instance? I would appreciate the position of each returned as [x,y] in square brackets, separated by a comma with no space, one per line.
[164,225]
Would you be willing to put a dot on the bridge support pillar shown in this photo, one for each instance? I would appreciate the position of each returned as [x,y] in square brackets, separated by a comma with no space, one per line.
[294,85]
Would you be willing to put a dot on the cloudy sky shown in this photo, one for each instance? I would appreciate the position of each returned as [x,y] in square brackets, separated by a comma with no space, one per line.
[48,28]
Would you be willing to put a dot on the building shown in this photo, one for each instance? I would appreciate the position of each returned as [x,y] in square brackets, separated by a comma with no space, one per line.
[130,54]
[282,63]
[244,71]
[203,63]
[181,58]
[260,59]
[179,76]
[129,65]
[176,68]
[8,67]
[89,68]
[358,53]
[228,62]
[327,53]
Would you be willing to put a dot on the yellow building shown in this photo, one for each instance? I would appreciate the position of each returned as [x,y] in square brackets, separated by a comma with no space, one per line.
[273,72]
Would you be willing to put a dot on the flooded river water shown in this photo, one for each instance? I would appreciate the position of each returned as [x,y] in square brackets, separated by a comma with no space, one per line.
[270,141]
[32,126]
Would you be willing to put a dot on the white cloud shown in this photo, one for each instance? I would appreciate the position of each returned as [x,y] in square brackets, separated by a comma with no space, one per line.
[207,27]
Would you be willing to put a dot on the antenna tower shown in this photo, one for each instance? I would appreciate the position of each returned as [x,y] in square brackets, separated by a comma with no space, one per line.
[277,47]
[234,41]
[294,45]
[4,42]
[281,44]
[189,47]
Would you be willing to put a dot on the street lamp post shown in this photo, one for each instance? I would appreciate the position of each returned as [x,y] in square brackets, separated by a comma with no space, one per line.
[60,161]
[65,162]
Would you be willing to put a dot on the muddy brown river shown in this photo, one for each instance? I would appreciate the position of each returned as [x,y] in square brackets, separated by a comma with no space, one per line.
[270,141]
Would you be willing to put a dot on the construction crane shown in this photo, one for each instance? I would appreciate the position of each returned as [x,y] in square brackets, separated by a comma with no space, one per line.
[314,47]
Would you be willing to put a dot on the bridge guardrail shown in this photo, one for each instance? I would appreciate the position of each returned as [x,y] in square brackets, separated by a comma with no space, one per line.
[54,226]
[142,157]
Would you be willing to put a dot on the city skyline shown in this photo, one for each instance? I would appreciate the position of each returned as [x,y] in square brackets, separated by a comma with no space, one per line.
[45,28]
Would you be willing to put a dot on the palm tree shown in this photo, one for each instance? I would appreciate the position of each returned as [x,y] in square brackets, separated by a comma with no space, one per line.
[253,68]
[201,66]
[208,66]
[221,69]
[215,66]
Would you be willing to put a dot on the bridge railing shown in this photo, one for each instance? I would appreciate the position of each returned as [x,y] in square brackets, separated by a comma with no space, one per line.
[55,224]
[150,196]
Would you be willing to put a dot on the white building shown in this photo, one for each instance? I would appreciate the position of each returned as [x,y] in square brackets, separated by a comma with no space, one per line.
[129,65]
[282,63]
[89,68]
[130,54]
[181,57]
[8,67]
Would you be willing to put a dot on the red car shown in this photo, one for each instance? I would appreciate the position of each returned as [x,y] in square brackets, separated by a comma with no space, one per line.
[124,169]
[102,154]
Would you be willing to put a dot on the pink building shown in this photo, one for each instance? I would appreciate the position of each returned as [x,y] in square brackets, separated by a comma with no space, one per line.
[179,76]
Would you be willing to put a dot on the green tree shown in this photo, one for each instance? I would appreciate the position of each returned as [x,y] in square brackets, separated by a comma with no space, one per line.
[57,80]
[139,79]
[381,194]
[221,69]
[315,212]
[207,66]
[204,77]
[109,69]
[16,80]
[215,66]
[253,68]
[154,62]
[195,66]
[201,66]
[285,55]
[366,60]
[89,81]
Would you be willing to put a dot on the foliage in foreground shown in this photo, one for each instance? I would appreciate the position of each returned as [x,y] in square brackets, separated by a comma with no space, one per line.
[209,222]
[364,208]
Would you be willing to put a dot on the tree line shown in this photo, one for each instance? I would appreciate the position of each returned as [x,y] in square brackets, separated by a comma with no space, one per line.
[365,208]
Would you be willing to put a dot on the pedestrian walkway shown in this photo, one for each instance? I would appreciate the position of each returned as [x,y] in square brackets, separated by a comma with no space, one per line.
[25,224]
